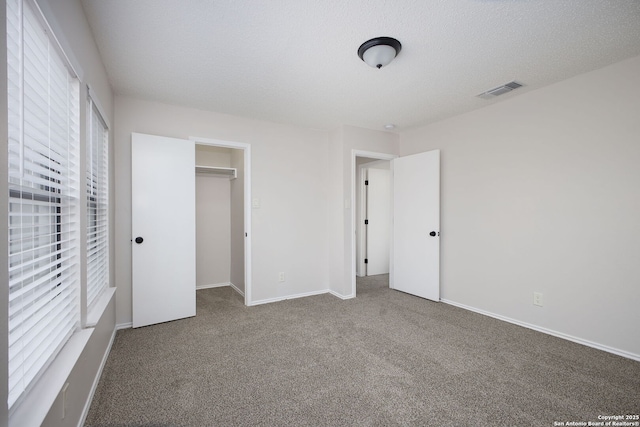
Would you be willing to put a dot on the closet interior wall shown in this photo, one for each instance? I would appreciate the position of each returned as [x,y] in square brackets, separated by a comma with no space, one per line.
[213,222]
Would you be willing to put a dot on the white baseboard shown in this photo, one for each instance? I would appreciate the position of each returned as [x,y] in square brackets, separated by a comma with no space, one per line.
[94,386]
[125,325]
[343,297]
[306,294]
[235,288]
[220,285]
[214,285]
[284,298]
[567,337]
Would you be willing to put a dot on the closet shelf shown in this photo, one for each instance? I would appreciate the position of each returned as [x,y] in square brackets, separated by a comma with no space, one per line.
[232,173]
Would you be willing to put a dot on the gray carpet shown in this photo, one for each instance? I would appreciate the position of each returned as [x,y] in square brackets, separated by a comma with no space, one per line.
[382,359]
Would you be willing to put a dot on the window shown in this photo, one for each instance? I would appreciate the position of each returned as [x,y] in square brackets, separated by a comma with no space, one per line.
[97,206]
[43,105]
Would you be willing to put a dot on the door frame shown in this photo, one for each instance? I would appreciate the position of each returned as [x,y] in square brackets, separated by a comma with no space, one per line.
[247,204]
[360,229]
[352,231]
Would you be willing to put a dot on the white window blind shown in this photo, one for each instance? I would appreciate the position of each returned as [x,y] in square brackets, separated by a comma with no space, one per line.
[97,206]
[43,204]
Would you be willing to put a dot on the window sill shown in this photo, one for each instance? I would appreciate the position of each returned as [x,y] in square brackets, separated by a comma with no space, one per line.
[93,317]
[37,403]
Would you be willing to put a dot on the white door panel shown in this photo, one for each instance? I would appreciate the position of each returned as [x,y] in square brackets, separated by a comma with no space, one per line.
[416,215]
[163,215]
[379,221]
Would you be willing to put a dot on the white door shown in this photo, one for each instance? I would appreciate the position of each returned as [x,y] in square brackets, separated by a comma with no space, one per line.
[378,221]
[163,229]
[416,224]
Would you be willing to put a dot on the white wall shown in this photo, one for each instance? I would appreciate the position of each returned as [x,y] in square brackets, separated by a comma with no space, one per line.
[213,230]
[209,155]
[334,222]
[289,171]
[541,192]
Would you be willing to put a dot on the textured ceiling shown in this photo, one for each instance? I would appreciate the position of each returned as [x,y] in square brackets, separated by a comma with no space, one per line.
[295,61]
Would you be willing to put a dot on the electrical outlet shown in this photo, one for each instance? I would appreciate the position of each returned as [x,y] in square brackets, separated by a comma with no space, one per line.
[537,298]
[281,276]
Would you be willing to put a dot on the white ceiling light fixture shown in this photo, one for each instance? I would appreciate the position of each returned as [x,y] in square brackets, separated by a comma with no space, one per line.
[380,51]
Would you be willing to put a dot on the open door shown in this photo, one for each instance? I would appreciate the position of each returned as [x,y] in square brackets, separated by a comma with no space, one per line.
[416,224]
[163,229]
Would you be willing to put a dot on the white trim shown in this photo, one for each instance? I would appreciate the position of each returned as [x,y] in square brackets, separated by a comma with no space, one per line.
[91,94]
[98,309]
[247,205]
[371,155]
[342,297]
[567,337]
[235,288]
[221,285]
[284,298]
[96,381]
[125,325]
[213,285]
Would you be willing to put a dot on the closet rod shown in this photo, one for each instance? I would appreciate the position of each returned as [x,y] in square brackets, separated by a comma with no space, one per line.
[232,173]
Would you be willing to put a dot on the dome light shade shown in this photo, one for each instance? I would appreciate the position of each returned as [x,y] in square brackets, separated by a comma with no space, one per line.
[380,51]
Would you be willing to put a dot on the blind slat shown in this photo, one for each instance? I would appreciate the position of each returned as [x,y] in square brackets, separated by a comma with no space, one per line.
[34,322]
[45,275]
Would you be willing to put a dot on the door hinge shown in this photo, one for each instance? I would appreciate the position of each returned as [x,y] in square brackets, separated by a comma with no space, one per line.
[366,182]
[366,261]
[366,222]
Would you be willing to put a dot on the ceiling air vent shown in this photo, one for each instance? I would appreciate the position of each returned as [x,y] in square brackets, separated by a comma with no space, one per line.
[500,90]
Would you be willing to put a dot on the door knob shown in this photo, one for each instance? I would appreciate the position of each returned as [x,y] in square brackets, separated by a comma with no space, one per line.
[139,240]
[432,234]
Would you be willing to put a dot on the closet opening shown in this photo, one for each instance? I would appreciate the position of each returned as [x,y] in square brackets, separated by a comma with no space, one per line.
[222,175]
